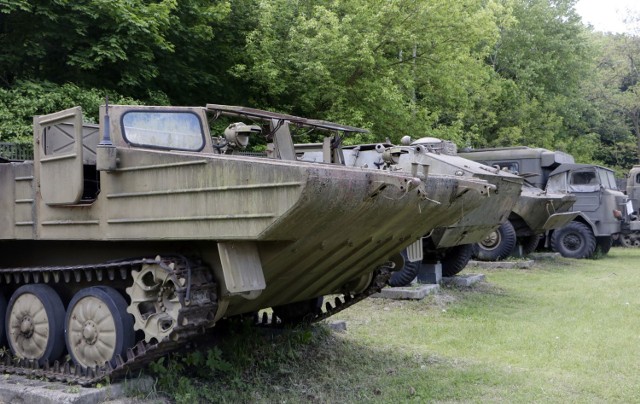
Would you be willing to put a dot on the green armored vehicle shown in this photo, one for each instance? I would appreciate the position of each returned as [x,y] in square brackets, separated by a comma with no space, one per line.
[600,207]
[521,220]
[120,242]
[451,245]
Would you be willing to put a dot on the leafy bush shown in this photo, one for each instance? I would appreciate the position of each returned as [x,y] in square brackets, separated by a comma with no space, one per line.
[19,104]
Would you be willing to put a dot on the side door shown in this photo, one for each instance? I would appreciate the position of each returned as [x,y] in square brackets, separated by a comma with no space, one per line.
[58,156]
[585,184]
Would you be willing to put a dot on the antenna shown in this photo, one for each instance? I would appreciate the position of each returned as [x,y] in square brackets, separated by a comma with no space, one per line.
[106,136]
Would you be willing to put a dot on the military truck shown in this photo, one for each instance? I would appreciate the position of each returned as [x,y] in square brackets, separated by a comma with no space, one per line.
[121,241]
[600,206]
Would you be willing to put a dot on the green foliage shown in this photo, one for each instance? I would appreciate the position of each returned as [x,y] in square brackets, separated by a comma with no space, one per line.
[541,57]
[130,46]
[478,72]
[393,67]
[19,104]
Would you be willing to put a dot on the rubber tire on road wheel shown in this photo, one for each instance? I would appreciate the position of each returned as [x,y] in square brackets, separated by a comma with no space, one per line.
[574,240]
[603,244]
[54,310]
[456,259]
[408,272]
[504,242]
[123,322]
[529,243]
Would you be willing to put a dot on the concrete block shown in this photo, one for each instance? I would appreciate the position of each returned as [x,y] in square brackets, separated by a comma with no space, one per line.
[520,264]
[517,251]
[430,273]
[465,280]
[417,292]
[19,389]
[545,255]
[338,325]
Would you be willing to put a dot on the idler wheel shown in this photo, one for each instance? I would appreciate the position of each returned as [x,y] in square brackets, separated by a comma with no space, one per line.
[35,323]
[98,327]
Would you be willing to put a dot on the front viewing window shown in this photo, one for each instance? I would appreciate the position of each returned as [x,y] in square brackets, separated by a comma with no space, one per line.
[164,129]
[584,178]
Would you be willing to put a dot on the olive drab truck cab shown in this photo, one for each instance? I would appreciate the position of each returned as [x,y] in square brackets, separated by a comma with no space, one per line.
[601,208]
[128,238]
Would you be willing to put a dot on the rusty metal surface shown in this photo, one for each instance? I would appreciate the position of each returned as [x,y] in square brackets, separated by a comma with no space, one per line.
[491,209]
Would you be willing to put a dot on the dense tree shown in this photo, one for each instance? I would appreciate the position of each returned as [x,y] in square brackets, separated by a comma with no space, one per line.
[28,98]
[479,72]
[134,47]
[397,67]
[542,57]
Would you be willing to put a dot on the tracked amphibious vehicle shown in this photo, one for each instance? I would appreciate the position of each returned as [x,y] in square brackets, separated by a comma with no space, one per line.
[120,242]
[452,245]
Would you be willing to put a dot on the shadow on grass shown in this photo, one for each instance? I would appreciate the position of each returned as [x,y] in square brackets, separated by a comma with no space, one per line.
[312,364]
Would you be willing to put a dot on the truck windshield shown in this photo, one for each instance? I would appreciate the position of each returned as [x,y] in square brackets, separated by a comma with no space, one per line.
[164,129]
[584,180]
[607,179]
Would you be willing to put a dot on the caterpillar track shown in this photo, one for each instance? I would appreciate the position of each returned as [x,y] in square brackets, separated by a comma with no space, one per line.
[195,291]
[187,284]
[316,314]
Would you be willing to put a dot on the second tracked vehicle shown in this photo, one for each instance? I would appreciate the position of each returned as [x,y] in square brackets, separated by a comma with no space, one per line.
[450,245]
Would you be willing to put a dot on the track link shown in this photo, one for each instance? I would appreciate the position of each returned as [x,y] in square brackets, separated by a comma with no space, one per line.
[380,279]
[197,295]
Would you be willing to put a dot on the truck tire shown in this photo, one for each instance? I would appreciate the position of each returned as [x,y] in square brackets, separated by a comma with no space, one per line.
[497,245]
[456,259]
[404,276]
[574,240]
[603,244]
[529,243]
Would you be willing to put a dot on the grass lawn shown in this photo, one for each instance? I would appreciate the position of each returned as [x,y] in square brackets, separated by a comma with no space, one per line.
[563,331]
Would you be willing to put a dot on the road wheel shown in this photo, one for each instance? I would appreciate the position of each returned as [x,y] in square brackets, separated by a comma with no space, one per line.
[456,259]
[529,243]
[603,244]
[630,240]
[35,323]
[497,245]
[98,327]
[574,240]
